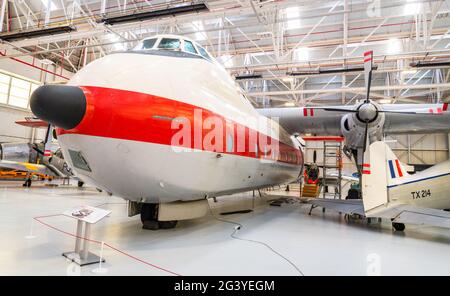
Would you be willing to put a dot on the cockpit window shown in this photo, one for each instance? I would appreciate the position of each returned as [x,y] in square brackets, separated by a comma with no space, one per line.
[148,43]
[189,47]
[169,43]
[203,52]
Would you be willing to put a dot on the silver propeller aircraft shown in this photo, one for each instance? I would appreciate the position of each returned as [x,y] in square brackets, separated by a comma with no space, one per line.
[353,121]
[388,191]
[35,158]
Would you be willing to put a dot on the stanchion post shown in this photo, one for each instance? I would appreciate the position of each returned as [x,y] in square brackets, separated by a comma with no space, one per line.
[79,236]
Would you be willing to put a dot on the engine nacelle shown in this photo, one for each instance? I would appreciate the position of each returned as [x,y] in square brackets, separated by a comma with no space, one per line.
[353,128]
[20,152]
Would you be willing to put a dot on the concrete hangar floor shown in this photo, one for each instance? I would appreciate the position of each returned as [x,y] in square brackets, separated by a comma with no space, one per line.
[272,241]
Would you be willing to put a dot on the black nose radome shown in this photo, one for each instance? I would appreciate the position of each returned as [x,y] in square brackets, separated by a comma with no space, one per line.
[61,105]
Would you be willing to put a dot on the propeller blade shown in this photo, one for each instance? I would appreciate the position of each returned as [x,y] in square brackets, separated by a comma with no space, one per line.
[422,112]
[368,59]
[48,141]
[347,110]
[38,150]
[366,134]
[314,156]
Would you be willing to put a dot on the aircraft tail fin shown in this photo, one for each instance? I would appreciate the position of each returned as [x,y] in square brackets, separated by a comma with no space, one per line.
[395,170]
[382,170]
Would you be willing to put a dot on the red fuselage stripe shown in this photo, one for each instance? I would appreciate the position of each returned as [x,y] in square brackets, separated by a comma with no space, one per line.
[127,115]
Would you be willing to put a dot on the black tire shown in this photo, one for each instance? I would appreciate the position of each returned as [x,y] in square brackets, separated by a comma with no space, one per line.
[80,184]
[148,212]
[150,225]
[398,226]
[167,224]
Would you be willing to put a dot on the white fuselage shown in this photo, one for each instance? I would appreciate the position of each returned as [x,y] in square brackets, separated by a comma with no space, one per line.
[125,136]
[429,188]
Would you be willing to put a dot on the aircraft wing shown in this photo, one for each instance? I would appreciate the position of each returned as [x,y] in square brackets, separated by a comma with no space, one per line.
[344,177]
[26,167]
[410,214]
[320,121]
[348,206]
[416,123]
[306,120]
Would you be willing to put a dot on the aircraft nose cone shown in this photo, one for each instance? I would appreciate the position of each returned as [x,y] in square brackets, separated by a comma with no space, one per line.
[367,112]
[61,105]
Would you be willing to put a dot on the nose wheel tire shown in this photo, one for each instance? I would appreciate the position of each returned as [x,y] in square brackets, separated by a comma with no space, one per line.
[398,226]
[149,218]
[167,224]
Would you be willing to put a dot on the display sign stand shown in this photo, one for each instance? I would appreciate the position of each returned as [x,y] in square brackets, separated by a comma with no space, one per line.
[86,216]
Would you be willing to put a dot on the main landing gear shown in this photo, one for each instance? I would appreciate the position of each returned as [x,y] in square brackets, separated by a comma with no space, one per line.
[27,183]
[149,218]
[398,226]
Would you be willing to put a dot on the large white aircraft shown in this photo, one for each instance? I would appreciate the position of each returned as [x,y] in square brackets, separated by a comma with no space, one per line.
[164,123]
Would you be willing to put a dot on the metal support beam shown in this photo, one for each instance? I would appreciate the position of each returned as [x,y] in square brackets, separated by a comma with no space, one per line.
[2,14]
[353,89]
[48,10]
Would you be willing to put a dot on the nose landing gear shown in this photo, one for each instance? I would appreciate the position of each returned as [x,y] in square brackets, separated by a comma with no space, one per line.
[149,218]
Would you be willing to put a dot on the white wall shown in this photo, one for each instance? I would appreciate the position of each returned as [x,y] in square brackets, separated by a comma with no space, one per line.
[9,130]
[12,132]
[425,149]
[31,72]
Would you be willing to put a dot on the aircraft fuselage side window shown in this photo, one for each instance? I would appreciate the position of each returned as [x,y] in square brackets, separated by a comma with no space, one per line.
[203,52]
[189,47]
[169,43]
[148,43]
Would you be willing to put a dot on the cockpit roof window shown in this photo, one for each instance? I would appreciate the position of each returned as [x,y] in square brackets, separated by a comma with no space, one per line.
[148,43]
[203,52]
[189,47]
[169,43]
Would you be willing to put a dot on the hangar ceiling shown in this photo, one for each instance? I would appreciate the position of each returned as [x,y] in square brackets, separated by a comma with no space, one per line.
[282,53]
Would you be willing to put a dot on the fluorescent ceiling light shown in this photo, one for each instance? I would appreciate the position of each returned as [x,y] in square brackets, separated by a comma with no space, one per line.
[288,79]
[301,54]
[394,46]
[46,62]
[260,54]
[292,14]
[385,101]
[410,72]
[226,60]
[52,4]
[118,46]
[198,26]
[289,104]
[412,8]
